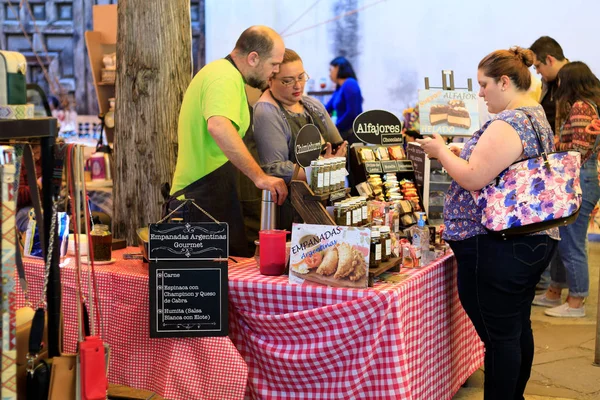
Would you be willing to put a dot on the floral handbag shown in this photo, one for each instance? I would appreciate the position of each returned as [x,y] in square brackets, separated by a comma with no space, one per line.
[532,195]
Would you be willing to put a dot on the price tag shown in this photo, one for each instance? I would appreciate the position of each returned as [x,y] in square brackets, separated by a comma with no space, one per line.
[405,166]
[389,166]
[373,167]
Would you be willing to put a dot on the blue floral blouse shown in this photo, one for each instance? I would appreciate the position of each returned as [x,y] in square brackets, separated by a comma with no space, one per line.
[462,217]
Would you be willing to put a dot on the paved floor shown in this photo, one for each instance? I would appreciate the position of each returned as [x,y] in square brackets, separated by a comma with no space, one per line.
[564,352]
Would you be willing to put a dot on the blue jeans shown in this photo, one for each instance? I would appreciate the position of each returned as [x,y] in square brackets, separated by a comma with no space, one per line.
[496,285]
[571,260]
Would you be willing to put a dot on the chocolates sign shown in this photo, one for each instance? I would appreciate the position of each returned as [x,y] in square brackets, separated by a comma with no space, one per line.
[448,112]
[378,127]
[308,145]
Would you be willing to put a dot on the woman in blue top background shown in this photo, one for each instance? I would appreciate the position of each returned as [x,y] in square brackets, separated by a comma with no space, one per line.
[347,100]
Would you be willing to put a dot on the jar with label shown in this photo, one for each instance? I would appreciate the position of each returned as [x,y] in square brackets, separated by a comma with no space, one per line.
[326,176]
[340,219]
[346,210]
[356,213]
[101,242]
[341,163]
[386,243]
[375,253]
[364,210]
[320,172]
[314,171]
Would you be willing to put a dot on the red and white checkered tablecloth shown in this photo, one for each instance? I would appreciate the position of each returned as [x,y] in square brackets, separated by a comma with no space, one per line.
[410,340]
[177,368]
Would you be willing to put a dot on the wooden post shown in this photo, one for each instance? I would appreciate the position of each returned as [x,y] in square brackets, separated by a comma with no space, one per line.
[154,69]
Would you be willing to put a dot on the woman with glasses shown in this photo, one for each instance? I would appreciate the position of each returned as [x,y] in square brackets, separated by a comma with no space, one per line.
[279,114]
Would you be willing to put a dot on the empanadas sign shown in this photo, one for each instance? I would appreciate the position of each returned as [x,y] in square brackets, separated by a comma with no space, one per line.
[330,255]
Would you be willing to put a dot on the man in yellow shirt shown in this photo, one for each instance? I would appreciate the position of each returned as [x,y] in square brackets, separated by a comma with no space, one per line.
[213,120]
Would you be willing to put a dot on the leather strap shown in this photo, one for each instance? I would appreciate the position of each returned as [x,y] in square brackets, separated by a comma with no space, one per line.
[35,193]
[37,332]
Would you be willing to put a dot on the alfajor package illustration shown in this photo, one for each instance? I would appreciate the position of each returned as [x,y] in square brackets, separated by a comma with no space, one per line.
[448,112]
[330,255]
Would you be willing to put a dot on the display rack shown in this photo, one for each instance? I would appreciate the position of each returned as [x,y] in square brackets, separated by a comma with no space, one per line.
[46,130]
[310,207]
[102,40]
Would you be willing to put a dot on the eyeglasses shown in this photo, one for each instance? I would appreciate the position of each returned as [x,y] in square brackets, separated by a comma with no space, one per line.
[287,82]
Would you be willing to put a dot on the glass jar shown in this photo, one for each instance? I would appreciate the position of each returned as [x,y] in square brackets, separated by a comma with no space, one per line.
[326,176]
[340,219]
[101,242]
[375,253]
[314,170]
[364,210]
[386,243]
[320,170]
[340,168]
[346,210]
[356,213]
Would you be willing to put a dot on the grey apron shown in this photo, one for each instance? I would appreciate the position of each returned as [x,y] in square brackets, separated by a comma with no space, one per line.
[287,214]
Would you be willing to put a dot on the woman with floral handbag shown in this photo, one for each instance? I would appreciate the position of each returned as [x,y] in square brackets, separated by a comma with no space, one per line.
[497,275]
[578,95]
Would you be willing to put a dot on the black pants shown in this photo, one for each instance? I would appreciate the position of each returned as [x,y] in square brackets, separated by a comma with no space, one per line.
[496,285]
[216,193]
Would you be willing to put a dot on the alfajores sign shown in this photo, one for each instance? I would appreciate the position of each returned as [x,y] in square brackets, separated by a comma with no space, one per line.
[378,127]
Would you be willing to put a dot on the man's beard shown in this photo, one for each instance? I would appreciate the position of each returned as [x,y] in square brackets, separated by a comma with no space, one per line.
[257,83]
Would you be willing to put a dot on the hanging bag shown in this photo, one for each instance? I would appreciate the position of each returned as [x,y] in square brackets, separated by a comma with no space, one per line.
[532,195]
[13,67]
[92,363]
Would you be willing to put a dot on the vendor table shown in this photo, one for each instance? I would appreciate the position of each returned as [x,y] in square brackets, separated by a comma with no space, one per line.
[177,369]
[406,340]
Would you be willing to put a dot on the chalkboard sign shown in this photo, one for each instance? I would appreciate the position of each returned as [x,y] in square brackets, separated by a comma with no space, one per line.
[405,166]
[189,241]
[373,167]
[378,127]
[391,139]
[308,145]
[188,299]
[389,166]
[416,154]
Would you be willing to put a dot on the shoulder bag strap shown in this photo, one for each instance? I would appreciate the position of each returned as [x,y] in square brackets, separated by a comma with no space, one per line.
[35,193]
[543,151]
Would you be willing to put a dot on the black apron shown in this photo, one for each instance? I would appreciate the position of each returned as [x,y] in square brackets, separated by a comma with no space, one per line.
[287,214]
[217,193]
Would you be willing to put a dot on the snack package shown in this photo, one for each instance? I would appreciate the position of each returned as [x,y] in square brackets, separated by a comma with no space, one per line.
[381,153]
[396,153]
[366,154]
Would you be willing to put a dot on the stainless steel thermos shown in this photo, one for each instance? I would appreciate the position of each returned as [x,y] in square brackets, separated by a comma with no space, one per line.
[268,212]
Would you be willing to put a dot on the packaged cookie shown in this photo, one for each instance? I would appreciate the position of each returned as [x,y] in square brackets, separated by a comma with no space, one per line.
[396,153]
[381,153]
[366,154]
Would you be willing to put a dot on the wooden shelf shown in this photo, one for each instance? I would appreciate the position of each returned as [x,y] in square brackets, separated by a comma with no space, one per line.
[102,40]
[392,265]
[28,128]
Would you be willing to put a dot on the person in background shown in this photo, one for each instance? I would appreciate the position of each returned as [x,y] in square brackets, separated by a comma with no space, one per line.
[548,60]
[578,95]
[213,120]
[496,278]
[347,99]
[279,114]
